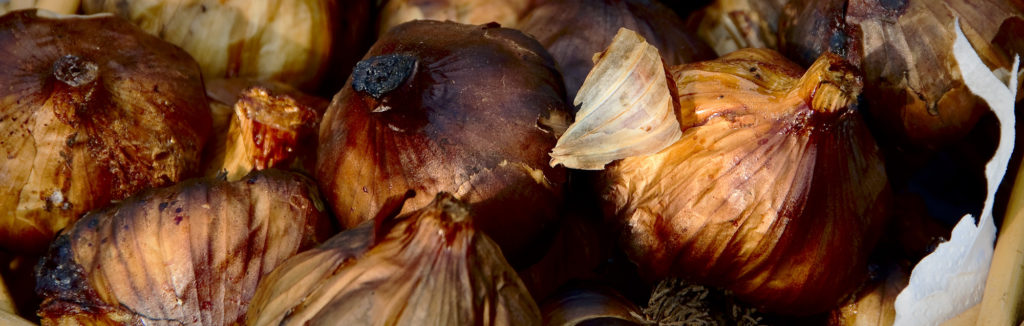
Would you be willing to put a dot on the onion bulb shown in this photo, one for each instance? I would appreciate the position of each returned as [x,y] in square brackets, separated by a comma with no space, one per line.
[775,189]
[428,267]
[84,123]
[192,253]
[905,50]
[448,107]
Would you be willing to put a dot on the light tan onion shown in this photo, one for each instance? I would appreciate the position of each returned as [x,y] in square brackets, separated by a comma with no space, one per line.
[429,267]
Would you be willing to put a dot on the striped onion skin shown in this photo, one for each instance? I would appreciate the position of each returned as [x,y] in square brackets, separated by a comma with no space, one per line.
[189,254]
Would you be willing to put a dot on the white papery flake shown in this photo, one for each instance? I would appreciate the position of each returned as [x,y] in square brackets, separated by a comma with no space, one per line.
[952,279]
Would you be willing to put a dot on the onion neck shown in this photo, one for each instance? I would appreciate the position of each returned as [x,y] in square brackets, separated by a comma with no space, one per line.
[829,85]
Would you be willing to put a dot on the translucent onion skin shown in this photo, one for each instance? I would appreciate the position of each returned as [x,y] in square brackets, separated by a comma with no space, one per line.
[429,267]
[190,254]
[84,123]
[443,106]
[573,31]
[904,48]
[777,192]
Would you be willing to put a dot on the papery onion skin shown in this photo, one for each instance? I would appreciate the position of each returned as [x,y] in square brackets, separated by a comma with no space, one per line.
[84,123]
[573,31]
[430,267]
[504,12]
[778,193]
[187,254]
[288,41]
[457,109]
[904,48]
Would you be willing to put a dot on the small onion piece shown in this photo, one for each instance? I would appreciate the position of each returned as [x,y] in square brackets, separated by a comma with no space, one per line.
[192,253]
[573,31]
[271,125]
[84,123]
[441,106]
[429,267]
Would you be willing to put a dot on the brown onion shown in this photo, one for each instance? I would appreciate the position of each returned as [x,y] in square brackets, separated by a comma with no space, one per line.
[187,254]
[428,267]
[448,107]
[905,50]
[270,125]
[85,123]
[573,31]
[776,191]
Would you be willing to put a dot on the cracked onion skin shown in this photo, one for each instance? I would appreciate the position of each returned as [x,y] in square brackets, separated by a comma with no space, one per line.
[191,253]
[84,123]
[776,191]
[441,106]
[904,47]
[574,31]
[428,267]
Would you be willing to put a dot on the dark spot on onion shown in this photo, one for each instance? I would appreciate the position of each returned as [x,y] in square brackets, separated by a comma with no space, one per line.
[382,74]
[75,71]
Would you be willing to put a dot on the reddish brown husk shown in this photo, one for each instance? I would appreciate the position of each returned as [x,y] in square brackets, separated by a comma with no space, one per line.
[573,31]
[85,122]
[448,107]
[428,267]
[777,192]
[261,125]
[905,50]
[191,253]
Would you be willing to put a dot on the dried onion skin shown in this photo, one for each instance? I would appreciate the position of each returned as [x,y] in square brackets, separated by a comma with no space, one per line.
[777,193]
[187,254]
[429,267]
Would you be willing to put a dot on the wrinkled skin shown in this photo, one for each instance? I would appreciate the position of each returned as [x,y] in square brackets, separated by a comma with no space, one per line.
[448,107]
[84,123]
[430,267]
[188,254]
[776,192]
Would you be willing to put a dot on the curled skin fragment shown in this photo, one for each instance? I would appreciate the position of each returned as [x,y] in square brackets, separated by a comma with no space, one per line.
[429,267]
[191,253]
[627,108]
